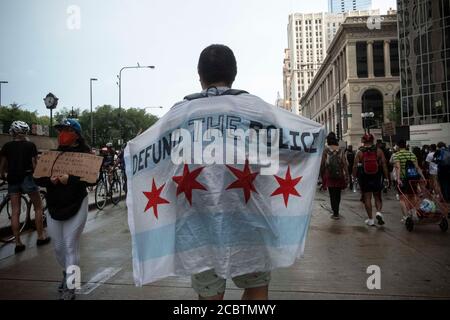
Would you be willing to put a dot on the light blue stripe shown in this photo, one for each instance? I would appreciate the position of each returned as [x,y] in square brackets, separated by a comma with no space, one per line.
[220,230]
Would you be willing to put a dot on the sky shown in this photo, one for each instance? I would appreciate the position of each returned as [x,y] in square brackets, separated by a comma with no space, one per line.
[58,45]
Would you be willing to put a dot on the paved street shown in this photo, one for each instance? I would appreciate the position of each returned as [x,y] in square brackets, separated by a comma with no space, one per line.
[413,265]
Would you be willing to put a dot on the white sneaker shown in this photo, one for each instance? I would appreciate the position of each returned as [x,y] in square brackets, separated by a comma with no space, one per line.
[379,217]
[370,222]
[397,196]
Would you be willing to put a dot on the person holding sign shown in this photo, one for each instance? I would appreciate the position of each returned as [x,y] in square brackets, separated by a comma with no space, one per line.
[67,202]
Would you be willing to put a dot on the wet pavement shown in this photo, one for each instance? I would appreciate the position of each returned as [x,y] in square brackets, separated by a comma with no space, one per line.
[413,265]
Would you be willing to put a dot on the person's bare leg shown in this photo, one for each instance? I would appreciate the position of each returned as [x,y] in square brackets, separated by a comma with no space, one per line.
[214,298]
[35,198]
[260,293]
[404,206]
[378,201]
[15,217]
[368,204]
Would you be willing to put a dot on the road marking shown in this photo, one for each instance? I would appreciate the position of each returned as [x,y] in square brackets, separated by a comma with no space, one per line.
[97,280]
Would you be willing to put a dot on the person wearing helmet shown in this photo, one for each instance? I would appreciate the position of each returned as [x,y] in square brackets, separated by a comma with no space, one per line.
[369,167]
[67,201]
[18,160]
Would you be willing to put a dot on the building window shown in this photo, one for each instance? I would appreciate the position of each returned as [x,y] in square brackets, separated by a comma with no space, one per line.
[361,59]
[378,59]
[395,66]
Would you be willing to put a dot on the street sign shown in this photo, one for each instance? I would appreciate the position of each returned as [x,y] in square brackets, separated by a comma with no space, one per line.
[349,115]
[389,129]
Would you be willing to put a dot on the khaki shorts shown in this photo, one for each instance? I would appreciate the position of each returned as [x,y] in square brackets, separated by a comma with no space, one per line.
[208,284]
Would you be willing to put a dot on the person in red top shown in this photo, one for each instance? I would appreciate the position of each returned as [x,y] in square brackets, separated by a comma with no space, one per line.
[334,172]
[369,167]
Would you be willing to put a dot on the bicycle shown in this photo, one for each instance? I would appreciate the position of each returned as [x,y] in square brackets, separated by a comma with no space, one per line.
[6,215]
[108,188]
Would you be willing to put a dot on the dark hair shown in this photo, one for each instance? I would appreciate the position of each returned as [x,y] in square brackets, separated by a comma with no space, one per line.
[441,145]
[83,144]
[402,144]
[332,140]
[433,147]
[217,64]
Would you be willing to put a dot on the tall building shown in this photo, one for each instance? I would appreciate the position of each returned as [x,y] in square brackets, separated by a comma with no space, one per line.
[341,6]
[424,34]
[309,36]
[360,74]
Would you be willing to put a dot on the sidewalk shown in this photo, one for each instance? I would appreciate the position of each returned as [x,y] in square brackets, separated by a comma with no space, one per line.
[413,265]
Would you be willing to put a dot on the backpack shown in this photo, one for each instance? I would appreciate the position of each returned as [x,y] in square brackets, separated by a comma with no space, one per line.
[444,160]
[334,165]
[370,161]
[411,172]
[229,92]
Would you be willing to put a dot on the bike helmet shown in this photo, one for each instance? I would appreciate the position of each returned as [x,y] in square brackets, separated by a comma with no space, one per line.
[109,145]
[69,123]
[19,127]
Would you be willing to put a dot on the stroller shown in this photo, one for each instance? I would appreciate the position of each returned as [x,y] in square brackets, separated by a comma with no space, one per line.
[429,208]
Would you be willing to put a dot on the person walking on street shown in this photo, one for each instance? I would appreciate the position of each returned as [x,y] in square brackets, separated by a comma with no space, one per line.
[408,173]
[350,156]
[369,168]
[67,202]
[334,172]
[442,158]
[18,160]
[432,168]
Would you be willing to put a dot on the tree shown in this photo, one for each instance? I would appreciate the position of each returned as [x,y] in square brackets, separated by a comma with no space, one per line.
[14,112]
[395,113]
[109,125]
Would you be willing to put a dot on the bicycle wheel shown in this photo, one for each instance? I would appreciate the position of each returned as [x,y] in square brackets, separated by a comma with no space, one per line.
[101,195]
[116,191]
[23,217]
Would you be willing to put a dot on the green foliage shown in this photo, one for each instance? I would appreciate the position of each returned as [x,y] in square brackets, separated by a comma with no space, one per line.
[14,112]
[108,123]
[395,113]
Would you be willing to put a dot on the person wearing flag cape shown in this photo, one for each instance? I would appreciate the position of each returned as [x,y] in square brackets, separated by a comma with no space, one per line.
[221,187]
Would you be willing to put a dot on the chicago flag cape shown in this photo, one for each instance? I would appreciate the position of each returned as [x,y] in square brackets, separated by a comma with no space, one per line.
[192,216]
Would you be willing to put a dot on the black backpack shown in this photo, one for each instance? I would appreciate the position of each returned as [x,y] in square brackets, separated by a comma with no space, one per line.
[201,95]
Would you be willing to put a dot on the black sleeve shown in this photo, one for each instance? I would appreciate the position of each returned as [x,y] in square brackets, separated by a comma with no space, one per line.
[43,182]
[4,150]
[34,152]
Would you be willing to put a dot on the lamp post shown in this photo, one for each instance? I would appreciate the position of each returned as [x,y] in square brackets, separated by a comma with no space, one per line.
[1,82]
[92,116]
[365,116]
[51,101]
[120,88]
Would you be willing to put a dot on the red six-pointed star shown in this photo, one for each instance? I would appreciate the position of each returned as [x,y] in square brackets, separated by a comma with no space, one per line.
[244,180]
[287,186]
[187,182]
[154,198]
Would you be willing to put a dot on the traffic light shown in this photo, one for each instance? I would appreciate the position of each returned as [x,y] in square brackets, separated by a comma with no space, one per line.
[338,131]
[94,136]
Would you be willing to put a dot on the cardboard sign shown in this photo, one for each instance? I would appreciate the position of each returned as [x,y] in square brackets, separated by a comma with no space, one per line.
[55,163]
[389,129]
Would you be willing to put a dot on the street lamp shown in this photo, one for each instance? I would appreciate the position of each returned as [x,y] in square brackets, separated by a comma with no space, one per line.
[365,116]
[1,82]
[92,116]
[120,87]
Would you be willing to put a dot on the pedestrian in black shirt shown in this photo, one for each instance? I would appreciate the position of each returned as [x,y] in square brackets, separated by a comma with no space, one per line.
[18,159]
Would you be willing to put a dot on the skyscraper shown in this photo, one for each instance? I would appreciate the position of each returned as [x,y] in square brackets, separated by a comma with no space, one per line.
[341,6]
[309,36]
[424,34]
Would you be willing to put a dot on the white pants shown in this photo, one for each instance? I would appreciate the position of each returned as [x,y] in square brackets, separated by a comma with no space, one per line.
[66,236]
